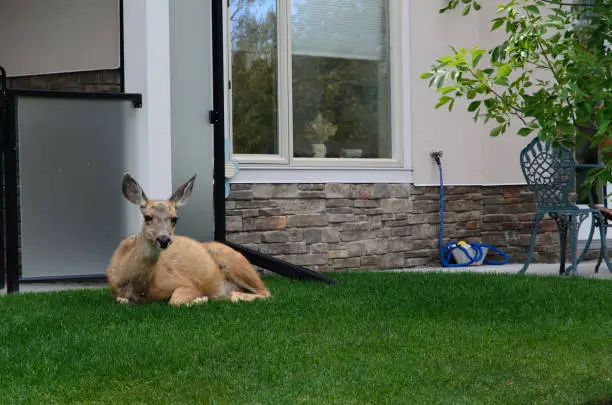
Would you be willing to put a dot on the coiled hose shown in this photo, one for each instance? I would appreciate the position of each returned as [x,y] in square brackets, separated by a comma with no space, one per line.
[446,250]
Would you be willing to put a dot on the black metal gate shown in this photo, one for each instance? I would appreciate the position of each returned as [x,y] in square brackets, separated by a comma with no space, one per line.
[3,135]
[62,152]
[10,208]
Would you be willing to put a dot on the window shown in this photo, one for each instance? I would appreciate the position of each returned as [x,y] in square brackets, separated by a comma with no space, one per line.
[311,82]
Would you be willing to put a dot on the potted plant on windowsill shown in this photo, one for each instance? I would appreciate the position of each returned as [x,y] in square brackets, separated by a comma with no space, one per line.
[318,131]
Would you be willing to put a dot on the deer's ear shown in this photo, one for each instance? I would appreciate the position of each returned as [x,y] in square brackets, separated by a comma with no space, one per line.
[133,192]
[181,195]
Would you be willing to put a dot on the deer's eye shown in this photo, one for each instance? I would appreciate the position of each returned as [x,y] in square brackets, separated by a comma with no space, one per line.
[174,220]
[148,219]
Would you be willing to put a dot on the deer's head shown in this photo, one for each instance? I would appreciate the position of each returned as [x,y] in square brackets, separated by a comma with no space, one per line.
[160,217]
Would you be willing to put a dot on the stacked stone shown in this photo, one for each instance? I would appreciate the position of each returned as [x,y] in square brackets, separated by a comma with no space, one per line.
[380,226]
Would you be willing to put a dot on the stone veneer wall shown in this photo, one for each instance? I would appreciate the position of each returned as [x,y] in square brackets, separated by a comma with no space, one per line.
[94,81]
[380,226]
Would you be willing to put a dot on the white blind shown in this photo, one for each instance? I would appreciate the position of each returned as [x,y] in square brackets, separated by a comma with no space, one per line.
[352,29]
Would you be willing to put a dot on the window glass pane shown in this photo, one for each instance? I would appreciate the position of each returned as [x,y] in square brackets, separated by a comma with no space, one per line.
[340,77]
[254,76]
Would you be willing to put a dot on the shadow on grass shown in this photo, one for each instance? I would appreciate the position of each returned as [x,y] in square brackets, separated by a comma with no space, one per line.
[600,402]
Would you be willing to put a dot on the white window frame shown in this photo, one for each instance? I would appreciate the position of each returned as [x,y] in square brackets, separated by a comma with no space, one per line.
[274,168]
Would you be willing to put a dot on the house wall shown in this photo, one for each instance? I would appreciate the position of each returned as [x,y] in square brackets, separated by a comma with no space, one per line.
[345,225]
[471,157]
[59,36]
[338,226]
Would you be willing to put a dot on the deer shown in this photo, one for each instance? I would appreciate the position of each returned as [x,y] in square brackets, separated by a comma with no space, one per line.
[157,265]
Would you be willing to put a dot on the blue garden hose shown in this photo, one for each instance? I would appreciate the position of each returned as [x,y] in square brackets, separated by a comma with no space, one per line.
[446,250]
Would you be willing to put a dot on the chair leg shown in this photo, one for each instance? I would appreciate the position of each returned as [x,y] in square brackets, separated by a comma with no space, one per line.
[534,231]
[573,233]
[587,245]
[603,253]
[599,260]
[574,224]
[562,225]
[602,227]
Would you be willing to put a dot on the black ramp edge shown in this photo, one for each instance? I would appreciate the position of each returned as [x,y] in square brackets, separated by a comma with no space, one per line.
[280,266]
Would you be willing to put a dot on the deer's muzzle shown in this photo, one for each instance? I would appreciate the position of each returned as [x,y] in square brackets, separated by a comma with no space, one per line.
[163,241]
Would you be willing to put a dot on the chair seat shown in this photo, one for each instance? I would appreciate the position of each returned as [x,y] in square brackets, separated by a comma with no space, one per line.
[567,210]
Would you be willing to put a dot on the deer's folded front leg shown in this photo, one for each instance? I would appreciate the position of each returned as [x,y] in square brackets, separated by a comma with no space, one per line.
[187,296]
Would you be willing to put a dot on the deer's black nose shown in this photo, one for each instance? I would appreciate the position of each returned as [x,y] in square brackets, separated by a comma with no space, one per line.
[163,241]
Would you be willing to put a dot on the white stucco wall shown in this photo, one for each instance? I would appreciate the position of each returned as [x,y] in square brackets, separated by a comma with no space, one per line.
[42,36]
[53,36]
[470,155]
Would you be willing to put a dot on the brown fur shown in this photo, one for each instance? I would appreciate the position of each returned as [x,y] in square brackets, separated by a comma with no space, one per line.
[184,272]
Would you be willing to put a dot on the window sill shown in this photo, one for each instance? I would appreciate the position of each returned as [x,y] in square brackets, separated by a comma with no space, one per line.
[303,174]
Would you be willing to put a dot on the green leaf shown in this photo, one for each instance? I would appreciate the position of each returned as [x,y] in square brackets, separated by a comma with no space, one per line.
[441,82]
[555,38]
[532,9]
[602,128]
[533,125]
[502,82]
[466,10]
[498,22]
[426,75]
[511,27]
[495,55]
[503,71]
[476,56]
[443,100]
[476,115]
[496,131]
[525,131]
[474,105]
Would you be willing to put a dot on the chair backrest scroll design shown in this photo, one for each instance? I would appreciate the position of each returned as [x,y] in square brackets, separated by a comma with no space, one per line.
[550,172]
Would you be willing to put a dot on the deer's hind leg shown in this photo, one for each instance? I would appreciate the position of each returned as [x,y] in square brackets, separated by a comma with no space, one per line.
[187,296]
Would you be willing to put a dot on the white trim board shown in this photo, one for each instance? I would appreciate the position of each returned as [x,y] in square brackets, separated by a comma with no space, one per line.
[322,175]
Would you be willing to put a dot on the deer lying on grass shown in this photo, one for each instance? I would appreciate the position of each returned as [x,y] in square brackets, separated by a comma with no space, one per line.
[155,265]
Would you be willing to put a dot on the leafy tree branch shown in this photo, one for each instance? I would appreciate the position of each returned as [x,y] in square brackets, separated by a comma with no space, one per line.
[552,72]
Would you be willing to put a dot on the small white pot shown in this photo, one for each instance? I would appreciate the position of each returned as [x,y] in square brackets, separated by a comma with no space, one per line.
[319,150]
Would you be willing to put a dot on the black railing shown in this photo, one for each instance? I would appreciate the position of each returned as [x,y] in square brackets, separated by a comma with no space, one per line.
[3,135]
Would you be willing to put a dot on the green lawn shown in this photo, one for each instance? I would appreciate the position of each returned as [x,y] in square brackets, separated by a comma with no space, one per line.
[375,339]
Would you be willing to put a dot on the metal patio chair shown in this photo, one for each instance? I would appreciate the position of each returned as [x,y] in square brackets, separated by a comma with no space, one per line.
[550,172]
